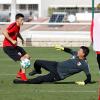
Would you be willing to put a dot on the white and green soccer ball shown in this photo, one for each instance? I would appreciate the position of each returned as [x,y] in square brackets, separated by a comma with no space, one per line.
[25,63]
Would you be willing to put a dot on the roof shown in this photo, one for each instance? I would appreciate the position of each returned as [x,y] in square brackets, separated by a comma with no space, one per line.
[20,1]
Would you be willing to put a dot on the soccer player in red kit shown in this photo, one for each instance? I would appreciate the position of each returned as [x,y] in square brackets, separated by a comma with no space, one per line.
[11,33]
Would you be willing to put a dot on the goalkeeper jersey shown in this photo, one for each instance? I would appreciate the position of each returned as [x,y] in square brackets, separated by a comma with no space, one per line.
[72,66]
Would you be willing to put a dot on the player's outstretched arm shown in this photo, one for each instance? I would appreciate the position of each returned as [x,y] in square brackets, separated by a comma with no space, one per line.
[61,48]
[87,81]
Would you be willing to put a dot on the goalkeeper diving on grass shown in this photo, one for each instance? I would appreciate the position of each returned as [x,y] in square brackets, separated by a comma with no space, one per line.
[61,70]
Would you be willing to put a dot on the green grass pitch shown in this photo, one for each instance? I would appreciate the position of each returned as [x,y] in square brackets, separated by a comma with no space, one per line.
[64,90]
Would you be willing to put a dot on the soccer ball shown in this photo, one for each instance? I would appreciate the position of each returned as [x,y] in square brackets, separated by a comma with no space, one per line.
[25,63]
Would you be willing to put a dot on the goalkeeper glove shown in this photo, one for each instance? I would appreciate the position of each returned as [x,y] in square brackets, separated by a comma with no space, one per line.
[59,47]
[82,83]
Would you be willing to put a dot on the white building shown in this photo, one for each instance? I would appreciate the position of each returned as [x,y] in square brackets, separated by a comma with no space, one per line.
[40,8]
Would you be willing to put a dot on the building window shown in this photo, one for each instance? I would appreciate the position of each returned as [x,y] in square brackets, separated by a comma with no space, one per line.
[97,10]
[6,7]
[33,7]
[22,7]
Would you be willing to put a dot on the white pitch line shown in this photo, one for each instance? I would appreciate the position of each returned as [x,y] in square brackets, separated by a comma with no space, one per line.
[55,91]
[15,74]
[64,91]
[27,74]
[7,74]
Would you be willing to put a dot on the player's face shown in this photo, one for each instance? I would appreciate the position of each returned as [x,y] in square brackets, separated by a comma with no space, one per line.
[20,21]
[80,53]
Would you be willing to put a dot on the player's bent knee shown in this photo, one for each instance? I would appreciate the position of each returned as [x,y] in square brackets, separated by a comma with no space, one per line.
[36,62]
[27,56]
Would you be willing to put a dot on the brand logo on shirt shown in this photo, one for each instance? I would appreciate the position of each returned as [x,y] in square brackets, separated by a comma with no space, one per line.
[79,64]
[73,57]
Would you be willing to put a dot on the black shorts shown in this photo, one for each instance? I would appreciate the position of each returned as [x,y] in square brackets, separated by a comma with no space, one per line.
[14,53]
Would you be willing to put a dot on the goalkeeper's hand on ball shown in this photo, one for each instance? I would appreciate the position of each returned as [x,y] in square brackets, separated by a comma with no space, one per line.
[81,83]
[59,47]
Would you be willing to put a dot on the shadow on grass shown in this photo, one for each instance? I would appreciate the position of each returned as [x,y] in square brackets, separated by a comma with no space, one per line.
[17,81]
[72,82]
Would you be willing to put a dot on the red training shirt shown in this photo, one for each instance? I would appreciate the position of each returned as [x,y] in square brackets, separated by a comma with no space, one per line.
[13,31]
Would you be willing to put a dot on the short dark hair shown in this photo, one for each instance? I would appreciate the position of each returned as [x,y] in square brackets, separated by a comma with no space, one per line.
[19,15]
[85,50]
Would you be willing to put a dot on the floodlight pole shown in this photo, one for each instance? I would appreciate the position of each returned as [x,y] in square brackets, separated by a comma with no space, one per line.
[92,9]
[13,10]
